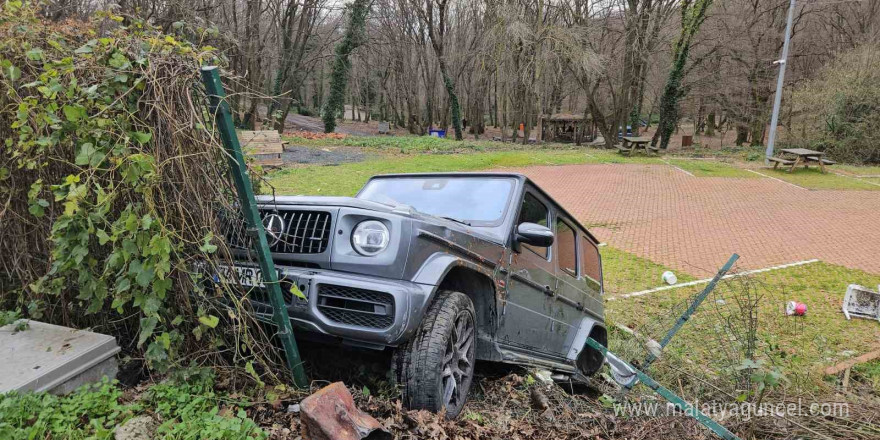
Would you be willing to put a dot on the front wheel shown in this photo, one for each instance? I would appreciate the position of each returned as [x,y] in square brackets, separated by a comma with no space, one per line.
[436,367]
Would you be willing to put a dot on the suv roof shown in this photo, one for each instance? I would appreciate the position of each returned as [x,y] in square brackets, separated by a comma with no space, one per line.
[519,176]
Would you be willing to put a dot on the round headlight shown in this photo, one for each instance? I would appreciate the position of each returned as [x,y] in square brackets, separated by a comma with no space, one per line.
[370,237]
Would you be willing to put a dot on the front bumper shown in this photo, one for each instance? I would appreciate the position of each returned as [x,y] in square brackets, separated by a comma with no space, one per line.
[336,301]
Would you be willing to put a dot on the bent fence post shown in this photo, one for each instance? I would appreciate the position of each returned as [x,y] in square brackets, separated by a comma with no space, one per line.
[220,109]
[683,406]
[691,309]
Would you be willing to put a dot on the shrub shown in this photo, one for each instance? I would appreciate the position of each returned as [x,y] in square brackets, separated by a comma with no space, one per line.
[839,111]
[185,404]
[110,184]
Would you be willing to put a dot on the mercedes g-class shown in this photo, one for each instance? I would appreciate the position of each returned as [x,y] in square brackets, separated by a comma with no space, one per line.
[444,269]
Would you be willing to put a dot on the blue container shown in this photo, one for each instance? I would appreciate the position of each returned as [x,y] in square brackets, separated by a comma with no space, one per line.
[437,133]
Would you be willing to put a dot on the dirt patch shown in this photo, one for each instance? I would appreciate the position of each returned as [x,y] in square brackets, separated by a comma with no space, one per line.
[294,154]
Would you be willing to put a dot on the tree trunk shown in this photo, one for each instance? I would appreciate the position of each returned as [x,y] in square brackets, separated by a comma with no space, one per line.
[692,16]
[710,124]
[742,134]
[353,37]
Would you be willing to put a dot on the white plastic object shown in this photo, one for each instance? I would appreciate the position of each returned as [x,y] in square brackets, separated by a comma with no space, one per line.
[669,277]
[861,302]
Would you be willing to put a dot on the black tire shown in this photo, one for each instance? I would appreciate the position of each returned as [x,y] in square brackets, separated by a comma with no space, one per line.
[424,367]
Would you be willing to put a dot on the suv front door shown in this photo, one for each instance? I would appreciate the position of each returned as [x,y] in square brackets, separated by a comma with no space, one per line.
[526,317]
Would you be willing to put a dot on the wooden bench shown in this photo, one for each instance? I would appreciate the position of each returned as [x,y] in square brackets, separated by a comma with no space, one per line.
[265,145]
[824,161]
[779,160]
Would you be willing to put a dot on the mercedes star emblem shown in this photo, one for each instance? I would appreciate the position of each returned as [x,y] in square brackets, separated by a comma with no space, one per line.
[274,225]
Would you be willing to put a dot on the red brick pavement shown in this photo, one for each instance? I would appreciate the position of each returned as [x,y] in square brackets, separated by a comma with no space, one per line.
[693,224]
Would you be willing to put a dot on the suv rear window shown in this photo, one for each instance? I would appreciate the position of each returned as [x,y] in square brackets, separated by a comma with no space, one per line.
[591,263]
[566,244]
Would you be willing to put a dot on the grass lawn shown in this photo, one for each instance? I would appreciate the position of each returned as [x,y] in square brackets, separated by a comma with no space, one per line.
[814,179]
[710,168]
[623,272]
[800,346]
[421,144]
[858,170]
[345,180]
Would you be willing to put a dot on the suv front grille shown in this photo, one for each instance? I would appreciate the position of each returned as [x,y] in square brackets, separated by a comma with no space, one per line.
[353,306]
[302,232]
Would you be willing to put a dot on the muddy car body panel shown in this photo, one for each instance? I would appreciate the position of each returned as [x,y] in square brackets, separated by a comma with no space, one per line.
[534,305]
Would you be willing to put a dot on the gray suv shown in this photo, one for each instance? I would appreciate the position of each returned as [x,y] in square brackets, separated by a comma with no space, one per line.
[444,269]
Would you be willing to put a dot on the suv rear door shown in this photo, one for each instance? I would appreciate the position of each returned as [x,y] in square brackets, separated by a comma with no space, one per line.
[577,264]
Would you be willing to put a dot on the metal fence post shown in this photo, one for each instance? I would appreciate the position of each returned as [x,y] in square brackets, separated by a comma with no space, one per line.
[688,409]
[691,309]
[220,108]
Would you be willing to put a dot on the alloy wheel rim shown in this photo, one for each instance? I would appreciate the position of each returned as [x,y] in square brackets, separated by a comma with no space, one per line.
[458,360]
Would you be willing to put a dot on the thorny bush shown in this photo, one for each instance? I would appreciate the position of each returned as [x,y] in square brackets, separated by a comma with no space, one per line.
[111,181]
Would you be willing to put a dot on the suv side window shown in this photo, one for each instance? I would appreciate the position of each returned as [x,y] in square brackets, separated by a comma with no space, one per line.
[566,240]
[591,263]
[533,211]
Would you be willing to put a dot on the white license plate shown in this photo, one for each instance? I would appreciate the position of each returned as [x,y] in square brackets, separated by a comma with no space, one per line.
[244,275]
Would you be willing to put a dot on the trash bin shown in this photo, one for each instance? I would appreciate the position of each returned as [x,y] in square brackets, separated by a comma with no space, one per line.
[687,140]
[437,133]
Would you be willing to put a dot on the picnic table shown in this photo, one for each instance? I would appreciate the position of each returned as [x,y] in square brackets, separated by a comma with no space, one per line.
[802,156]
[631,143]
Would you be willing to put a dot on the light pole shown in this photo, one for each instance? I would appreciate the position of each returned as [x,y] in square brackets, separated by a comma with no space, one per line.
[777,100]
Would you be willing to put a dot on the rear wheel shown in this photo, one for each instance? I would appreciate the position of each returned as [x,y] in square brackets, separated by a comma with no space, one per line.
[436,367]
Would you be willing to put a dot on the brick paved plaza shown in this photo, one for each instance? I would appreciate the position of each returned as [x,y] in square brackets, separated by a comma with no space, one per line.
[693,224]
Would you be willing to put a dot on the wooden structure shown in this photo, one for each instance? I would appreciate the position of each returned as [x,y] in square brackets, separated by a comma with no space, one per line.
[566,127]
[801,156]
[632,143]
[265,145]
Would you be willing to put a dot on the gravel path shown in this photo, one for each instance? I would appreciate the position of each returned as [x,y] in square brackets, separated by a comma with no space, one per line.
[294,154]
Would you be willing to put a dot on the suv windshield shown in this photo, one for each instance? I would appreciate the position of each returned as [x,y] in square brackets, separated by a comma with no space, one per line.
[476,201]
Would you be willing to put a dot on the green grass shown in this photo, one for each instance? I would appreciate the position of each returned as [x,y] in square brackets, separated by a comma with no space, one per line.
[623,272]
[741,153]
[709,168]
[345,180]
[422,144]
[857,170]
[812,178]
[868,373]
[186,405]
[801,346]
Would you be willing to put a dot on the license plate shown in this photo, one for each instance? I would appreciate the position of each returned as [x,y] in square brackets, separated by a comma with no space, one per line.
[244,275]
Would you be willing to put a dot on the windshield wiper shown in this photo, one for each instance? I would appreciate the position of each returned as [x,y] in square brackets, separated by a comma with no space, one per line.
[457,220]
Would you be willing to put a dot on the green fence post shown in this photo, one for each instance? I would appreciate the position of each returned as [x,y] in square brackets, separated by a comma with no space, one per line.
[220,108]
[691,309]
[688,409]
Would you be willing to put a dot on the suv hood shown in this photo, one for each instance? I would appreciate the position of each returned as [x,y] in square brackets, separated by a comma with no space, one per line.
[265,201]
[351,202]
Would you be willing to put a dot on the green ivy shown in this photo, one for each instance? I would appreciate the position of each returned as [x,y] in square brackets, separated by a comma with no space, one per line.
[354,35]
[75,105]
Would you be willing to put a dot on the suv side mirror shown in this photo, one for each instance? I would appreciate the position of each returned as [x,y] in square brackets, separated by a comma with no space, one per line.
[534,234]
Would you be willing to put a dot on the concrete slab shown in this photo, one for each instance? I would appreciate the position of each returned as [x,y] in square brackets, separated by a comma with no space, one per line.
[47,357]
